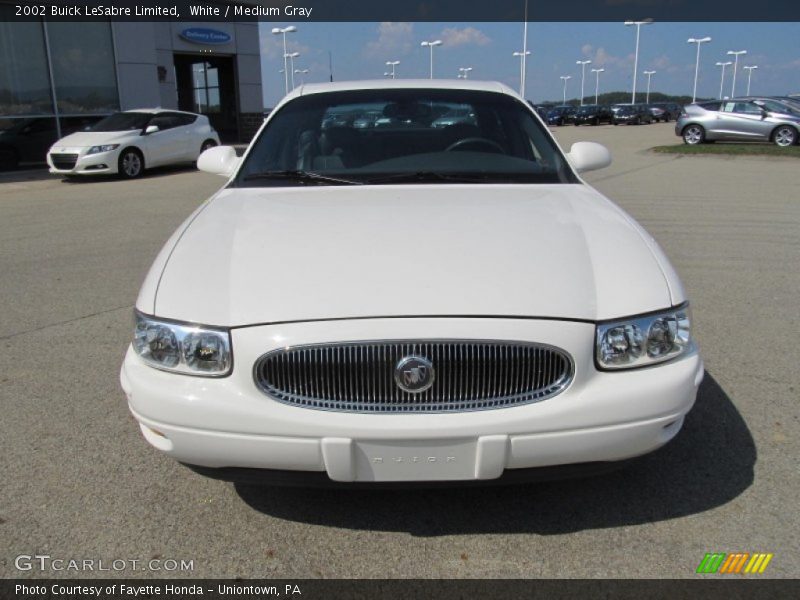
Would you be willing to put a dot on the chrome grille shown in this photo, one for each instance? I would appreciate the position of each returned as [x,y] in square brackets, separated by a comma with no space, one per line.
[360,376]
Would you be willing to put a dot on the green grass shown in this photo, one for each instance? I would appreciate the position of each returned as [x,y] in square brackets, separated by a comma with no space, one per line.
[730,149]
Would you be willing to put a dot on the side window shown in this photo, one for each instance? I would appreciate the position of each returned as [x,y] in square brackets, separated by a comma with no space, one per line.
[711,105]
[746,108]
[182,119]
[163,122]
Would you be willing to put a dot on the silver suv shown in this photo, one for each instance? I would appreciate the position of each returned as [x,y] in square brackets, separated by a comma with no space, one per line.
[737,120]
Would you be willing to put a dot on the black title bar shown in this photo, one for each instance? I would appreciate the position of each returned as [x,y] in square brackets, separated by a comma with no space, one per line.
[281,11]
[735,588]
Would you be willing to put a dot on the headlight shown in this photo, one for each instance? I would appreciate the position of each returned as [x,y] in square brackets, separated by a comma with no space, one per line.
[99,149]
[182,348]
[642,341]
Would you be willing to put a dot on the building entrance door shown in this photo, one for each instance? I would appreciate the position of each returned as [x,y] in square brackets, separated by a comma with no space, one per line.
[207,85]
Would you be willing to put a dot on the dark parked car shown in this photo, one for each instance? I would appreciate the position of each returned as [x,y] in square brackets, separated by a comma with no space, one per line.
[541,109]
[593,114]
[635,114]
[561,115]
[26,141]
[658,113]
[672,110]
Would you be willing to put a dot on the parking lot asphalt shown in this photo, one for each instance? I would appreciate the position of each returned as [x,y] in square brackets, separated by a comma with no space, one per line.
[78,481]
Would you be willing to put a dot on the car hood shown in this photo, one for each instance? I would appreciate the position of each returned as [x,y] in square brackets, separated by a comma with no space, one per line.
[83,139]
[261,255]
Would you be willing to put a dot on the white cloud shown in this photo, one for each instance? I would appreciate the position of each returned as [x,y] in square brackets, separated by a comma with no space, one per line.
[453,37]
[662,62]
[394,39]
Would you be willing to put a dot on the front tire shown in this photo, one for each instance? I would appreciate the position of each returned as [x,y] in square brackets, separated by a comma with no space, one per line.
[206,145]
[130,164]
[693,135]
[784,136]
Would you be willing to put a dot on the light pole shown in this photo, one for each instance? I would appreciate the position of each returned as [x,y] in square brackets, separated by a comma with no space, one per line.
[699,42]
[749,75]
[597,84]
[636,55]
[522,56]
[735,54]
[302,72]
[393,64]
[283,32]
[525,53]
[649,75]
[432,45]
[464,72]
[583,64]
[564,78]
[291,56]
[722,80]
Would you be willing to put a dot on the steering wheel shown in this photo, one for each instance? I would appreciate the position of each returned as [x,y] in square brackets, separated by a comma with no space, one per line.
[478,141]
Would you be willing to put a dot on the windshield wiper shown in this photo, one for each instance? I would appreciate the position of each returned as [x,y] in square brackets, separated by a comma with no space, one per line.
[430,176]
[301,176]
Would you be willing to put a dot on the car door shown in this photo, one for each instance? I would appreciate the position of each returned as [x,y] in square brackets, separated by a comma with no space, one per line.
[186,126]
[167,145]
[742,120]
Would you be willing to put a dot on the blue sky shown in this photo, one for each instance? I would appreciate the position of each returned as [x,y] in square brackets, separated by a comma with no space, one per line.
[361,49]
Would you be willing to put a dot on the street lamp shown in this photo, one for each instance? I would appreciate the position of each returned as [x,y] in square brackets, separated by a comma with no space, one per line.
[735,54]
[583,64]
[564,78]
[283,32]
[393,64]
[749,75]
[291,56]
[301,72]
[722,80]
[432,45]
[597,84]
[522,56]
[464,72]
[699,42]
[649,75]
[636,55]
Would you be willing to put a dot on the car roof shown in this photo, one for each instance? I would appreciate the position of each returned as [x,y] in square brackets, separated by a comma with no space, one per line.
[399,84]
[155,111]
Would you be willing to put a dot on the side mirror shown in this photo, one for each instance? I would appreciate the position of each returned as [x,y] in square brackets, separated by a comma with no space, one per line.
[588,156]
[219,160]
[151,129]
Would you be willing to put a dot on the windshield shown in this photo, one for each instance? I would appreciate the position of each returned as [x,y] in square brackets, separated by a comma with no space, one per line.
[496,140]
[124,121]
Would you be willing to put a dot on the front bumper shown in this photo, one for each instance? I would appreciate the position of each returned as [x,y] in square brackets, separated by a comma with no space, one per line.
[102,163]
[228,422]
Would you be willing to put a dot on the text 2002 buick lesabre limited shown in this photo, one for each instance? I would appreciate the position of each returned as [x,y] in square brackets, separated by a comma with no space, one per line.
[406,302]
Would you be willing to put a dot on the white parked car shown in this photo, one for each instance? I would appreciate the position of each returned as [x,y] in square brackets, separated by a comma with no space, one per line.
[409,303]
[126,143]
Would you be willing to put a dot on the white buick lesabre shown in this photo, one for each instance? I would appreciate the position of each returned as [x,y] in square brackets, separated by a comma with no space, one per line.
[404,302]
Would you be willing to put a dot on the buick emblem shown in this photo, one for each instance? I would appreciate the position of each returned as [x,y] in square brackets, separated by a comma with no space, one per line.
[414,374]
